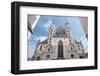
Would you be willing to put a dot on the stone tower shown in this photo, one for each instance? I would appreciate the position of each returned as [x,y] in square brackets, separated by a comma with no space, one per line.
[52,31]
[60,44]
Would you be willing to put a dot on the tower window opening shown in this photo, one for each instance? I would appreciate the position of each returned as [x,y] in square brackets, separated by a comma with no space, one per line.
[48,49]
[41,47]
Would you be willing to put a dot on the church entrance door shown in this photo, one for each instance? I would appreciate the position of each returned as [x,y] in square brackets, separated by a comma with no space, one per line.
[60,50]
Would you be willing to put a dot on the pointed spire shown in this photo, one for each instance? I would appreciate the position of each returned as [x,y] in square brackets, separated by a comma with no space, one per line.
[67,24]
[53,20]
[53,23]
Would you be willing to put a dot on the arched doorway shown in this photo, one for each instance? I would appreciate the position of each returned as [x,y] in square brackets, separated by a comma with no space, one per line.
[60,50]
[38,58]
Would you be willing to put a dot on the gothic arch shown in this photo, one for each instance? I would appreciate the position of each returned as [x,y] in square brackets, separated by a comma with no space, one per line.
[60,50]
[38,58]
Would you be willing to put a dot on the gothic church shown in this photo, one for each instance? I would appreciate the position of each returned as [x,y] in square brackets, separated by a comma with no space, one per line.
[59,45]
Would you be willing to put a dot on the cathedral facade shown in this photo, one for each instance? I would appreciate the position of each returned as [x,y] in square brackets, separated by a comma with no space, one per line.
[59,45]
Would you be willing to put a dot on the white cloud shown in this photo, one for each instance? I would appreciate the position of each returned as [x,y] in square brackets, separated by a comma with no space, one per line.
[41,38]
[47,24]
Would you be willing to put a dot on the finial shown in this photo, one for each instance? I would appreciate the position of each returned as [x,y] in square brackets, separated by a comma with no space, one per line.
[53,20]
[67,24]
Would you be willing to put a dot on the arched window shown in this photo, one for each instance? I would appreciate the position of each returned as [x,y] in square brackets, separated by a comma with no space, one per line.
[51,33]
[60,50]
[69,40]
[48,56]
[41,47]
[72,55]
[81,56]
[79,47]
[50,41]
[48,49]
[71,48]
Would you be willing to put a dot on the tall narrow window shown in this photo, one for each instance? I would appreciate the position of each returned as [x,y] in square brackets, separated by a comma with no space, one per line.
[41,47]
[79,47]
[51,33]
[71,48]
[69,40]
[48,49]
[50,41]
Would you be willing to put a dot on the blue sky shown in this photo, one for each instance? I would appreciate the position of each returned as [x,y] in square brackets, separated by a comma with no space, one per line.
[40,31]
